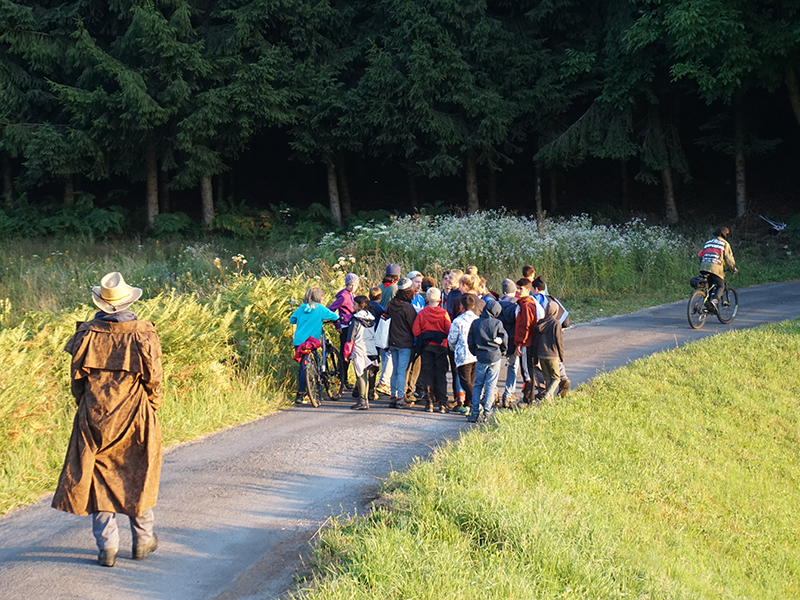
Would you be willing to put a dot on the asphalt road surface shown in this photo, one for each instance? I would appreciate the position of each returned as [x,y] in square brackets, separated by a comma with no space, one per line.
[237,509]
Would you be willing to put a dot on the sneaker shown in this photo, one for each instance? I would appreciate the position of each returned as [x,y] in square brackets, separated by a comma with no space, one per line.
[360,405]
[472,418]
[563,388]
[442,408]
[383,389]
[301,398]
[463,410]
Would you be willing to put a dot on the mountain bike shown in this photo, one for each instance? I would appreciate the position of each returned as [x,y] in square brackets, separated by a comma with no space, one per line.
[700,305]
[322,372]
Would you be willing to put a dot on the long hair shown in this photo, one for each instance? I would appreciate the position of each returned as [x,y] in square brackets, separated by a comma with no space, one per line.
[313,295]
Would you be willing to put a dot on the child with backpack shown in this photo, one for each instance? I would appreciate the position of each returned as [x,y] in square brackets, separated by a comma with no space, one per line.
[465,360]
[548,349]
[363,354]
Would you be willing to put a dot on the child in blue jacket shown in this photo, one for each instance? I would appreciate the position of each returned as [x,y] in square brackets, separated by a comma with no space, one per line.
[309,318]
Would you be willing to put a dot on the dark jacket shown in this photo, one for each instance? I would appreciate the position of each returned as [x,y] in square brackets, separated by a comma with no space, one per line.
[487,338]
[402,315]
[549,341]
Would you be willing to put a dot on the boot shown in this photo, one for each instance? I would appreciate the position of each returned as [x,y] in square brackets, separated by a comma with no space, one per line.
[362,404]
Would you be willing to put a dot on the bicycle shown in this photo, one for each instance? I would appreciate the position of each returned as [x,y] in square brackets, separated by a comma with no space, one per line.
[700,305]
[322,372]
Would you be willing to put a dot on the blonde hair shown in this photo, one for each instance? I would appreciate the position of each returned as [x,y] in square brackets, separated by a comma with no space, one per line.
[313,295]
[472,270]
[470,282]
[433,295]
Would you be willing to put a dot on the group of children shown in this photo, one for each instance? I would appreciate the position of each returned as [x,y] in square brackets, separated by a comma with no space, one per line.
[461,327]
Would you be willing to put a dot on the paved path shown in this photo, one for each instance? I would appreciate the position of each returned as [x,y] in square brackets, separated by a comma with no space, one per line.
[238,508]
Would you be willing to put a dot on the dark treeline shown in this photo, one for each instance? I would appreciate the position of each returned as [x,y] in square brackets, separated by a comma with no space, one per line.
[542,105]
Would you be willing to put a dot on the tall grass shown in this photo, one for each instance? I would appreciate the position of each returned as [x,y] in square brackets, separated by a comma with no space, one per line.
[676,477]
[227,360]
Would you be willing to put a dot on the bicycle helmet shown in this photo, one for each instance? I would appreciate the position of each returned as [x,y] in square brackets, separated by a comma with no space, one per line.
[722,232]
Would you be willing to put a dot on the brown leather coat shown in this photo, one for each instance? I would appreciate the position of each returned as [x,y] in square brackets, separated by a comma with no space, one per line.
[113,462]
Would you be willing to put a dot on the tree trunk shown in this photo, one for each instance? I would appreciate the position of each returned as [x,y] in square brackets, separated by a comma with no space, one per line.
[739,157]
[206,200]
[538,196]
[344,184]
[471,170]
[151,193]
[670,207]
[69,191]
[794,90]
[8,181]
[623,176]
[163,192]
[553,191]
[492,192]
[333,195]
[412,191]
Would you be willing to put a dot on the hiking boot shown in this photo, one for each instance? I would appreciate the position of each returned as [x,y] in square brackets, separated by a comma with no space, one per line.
[362,404]
[107,558]
[140,552]
[563,388]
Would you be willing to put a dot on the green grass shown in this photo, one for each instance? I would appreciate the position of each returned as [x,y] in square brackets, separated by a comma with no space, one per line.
[226,361]
[675,477]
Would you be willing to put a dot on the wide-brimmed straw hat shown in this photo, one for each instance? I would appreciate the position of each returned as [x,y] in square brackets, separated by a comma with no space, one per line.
[113,294]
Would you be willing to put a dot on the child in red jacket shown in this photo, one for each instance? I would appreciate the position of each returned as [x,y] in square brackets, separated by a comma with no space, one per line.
[430,330]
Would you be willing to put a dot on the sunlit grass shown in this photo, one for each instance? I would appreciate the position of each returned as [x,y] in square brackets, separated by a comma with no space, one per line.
[675,477]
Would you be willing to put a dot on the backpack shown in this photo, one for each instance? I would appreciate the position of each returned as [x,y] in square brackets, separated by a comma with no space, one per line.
[560,315]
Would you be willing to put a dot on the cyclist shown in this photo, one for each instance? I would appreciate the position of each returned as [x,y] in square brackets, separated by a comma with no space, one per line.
[309,318]
[714,256]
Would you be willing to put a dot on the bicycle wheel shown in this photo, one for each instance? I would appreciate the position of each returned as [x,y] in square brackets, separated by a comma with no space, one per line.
[333,376]
[313,379]
[696,310]
[728,305]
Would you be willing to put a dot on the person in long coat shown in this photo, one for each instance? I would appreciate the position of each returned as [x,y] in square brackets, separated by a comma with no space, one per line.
[113,461]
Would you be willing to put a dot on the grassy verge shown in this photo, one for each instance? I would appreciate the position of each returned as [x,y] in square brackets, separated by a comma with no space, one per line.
[226,361]
[676,477]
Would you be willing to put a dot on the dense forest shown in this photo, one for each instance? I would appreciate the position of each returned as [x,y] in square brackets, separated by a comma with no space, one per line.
[179,111]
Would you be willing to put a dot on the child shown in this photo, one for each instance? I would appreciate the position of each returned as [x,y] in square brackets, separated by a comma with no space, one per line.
[549,349]
[431,328]
[309,317]
[465,360]
[488,341]
[363,354]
